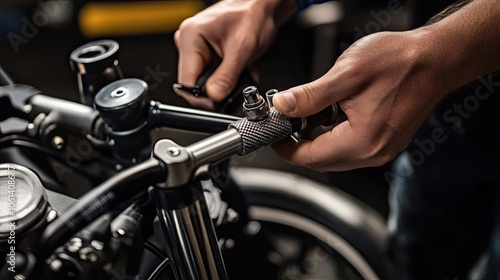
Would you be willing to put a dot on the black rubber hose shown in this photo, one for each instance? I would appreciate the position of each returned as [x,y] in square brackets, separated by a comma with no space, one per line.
[117,189]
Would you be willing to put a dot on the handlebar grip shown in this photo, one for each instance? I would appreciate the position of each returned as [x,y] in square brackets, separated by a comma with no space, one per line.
[259,134]
[277,126]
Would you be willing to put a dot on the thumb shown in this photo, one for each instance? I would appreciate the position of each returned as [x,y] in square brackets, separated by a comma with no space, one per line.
[305,100]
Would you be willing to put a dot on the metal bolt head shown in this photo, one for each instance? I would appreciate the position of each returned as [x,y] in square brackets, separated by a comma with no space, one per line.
[173,151]
[52,215]
[256,114]
[57,142]
[232,216]
[74,245]
[121,232]
[56,265]
[252,228]
[251,95]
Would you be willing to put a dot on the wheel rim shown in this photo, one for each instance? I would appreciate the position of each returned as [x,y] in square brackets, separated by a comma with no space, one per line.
[331,255]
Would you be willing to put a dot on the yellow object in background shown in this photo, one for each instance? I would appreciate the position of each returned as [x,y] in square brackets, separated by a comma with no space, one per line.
[135,18]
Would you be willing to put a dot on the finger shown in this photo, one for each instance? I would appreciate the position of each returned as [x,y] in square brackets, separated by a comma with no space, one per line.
[194,53]
[225,77]
[336,150]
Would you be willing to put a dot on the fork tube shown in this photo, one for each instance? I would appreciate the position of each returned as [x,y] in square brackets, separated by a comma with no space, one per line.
[189,234]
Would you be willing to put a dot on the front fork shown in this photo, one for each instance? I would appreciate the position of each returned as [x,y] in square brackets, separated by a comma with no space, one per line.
[188,232]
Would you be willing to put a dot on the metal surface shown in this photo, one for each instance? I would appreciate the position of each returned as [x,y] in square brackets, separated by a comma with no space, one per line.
[259,134]
[269,96]
[161,115]
[25,193]
[183,162]
[192,241]
[216,147]
[96,65]
[254,106]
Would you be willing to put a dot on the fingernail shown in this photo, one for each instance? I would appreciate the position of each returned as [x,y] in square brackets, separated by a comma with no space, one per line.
[219,87]
[285,100]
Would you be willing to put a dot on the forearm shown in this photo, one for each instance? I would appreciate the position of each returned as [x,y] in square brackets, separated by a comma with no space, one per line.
[465,44]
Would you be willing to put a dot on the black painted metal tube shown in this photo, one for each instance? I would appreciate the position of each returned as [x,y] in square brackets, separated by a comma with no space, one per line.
[123,186]
[161,115]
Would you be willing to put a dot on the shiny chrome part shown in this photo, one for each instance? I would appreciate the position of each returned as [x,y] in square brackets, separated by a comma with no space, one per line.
[180,166]
[194,112]
[296,137]
[192,242]
[269,96]
[173,151]
[74,245]
[52,215]
[119,92]
[254,106]
[216,147]
[251,95]
[57,142]
[31,204]
[252,228]
[182,162]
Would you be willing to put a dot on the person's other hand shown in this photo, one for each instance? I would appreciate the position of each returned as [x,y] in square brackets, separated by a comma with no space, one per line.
[237,31]
[387,85]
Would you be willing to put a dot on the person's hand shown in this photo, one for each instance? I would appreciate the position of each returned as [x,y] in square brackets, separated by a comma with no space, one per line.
[238,31]
[386,84]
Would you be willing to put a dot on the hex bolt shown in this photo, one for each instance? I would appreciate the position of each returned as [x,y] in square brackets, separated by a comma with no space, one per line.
[251,95]
[254,106]
[173,151]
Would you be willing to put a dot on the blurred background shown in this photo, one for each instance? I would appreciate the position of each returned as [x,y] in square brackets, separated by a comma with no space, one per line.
[37,37]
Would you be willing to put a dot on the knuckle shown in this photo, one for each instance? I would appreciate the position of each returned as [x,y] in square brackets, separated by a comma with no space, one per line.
[308,94]
[379,152]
